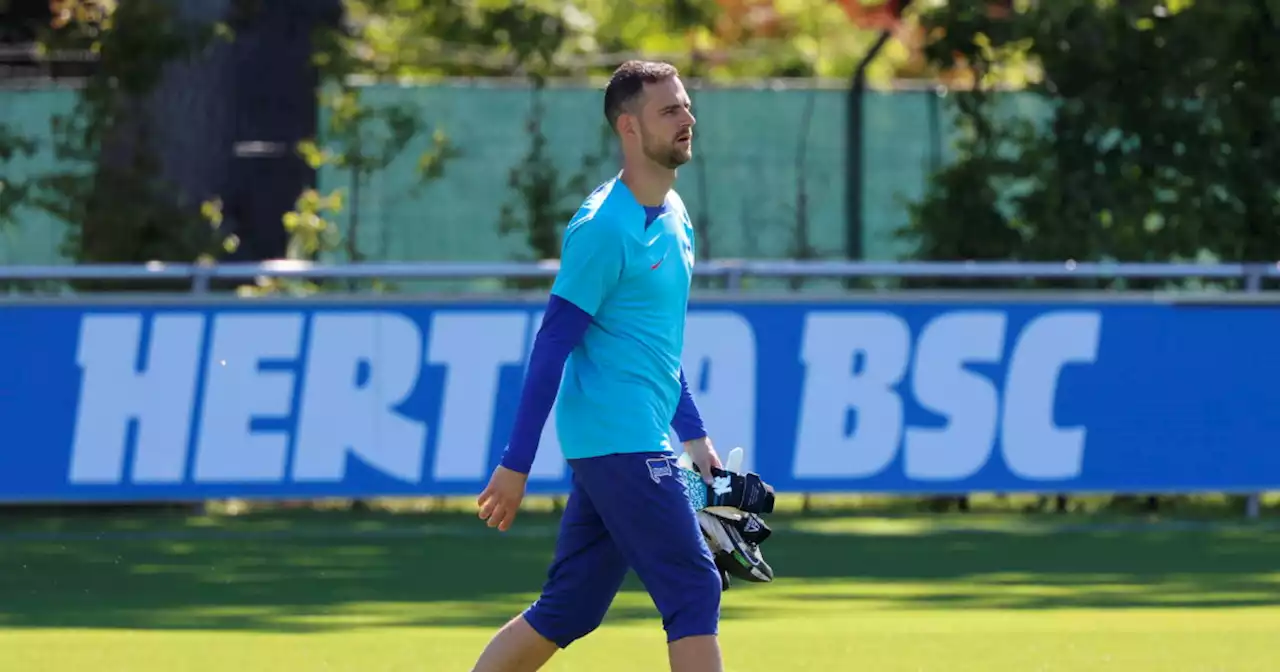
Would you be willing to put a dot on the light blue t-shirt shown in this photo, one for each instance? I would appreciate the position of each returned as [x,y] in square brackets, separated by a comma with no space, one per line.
[621,385]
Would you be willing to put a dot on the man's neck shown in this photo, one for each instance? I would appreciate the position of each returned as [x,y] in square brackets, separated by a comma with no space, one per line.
[648,183]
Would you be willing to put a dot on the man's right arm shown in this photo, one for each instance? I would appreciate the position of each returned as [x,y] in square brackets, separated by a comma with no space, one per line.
[562,329]
[591,263]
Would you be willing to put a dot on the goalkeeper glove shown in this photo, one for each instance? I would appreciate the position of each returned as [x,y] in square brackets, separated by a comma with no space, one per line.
[729,513]
[735,545]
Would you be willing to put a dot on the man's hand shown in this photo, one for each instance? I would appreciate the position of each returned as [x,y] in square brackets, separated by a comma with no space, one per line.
[704,456]
[501,499]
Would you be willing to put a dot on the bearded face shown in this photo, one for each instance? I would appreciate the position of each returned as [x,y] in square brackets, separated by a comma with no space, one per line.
[667,150]
[666,124]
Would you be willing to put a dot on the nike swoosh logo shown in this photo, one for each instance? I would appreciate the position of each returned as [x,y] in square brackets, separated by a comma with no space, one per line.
[655,266]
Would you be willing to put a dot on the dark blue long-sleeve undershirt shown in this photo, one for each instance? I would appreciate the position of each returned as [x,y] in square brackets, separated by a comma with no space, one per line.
[562,330]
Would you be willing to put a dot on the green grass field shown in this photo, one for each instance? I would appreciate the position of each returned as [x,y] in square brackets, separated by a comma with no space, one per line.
[381,592]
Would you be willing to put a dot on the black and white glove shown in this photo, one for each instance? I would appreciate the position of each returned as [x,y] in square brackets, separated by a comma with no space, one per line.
[735,545]
[730,511]
[747,493]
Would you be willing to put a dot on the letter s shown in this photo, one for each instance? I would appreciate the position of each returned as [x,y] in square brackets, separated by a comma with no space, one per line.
[941,384]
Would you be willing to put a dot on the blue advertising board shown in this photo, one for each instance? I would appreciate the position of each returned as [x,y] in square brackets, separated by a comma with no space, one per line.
[119,402]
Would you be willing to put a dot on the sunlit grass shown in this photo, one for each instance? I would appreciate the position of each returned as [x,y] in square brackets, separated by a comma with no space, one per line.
[339,591]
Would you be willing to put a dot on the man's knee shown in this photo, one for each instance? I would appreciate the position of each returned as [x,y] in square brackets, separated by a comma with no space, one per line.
[562,624]
[695,609]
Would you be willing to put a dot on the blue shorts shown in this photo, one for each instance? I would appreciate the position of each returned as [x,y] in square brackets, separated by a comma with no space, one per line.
[627,511]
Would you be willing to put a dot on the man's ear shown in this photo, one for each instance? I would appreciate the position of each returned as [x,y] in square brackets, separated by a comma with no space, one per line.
[626,124]
[629,119]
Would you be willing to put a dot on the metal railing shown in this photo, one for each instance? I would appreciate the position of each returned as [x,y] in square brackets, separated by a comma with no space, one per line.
[732,272]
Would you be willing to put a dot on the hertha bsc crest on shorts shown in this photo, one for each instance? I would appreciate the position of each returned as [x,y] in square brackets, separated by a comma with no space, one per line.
[658,467]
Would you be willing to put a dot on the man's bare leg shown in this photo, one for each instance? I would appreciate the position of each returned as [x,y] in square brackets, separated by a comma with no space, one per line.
[695,654]
[517,648]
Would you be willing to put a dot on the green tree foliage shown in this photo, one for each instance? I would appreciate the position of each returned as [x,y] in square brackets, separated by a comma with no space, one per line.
[734,38]
[110,189]
[13,146]
[359,138]
[544,201]
[1158,139]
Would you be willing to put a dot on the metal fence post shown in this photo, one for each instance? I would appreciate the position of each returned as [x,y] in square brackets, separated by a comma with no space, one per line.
[199,287]
[733,278]
[200,279]
[1253,285]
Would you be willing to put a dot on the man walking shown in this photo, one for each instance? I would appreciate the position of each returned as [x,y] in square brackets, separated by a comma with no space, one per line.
[609,349]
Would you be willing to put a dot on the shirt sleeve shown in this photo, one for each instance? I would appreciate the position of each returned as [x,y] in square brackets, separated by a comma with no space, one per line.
[687,421]
[562,329]
[591,262]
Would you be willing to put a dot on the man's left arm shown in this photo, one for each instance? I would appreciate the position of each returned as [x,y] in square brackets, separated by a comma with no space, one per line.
[693,433]
[687,421]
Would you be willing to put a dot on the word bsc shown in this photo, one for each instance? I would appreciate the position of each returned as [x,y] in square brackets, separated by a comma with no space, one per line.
[425,397]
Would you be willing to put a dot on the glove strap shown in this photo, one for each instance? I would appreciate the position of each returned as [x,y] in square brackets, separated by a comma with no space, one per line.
[753,529]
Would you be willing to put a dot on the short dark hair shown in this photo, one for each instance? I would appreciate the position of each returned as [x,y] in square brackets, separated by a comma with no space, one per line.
[628,81]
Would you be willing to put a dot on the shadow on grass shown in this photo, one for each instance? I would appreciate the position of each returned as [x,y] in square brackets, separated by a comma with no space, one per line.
[306,571]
